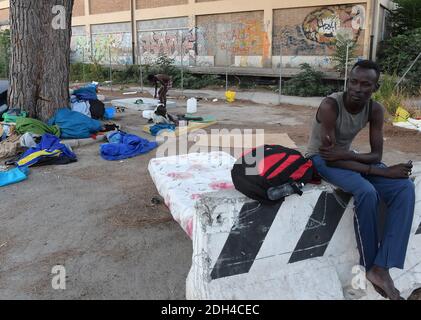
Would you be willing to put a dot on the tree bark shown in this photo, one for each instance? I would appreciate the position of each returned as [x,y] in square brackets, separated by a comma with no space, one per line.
[40,57]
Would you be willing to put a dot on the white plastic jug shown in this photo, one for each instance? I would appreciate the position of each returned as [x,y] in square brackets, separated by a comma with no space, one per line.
[192,105]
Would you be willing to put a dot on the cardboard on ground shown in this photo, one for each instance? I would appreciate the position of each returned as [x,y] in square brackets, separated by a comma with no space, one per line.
[244,141]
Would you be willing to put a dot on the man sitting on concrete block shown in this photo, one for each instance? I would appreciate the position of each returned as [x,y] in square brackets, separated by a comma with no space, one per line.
[339,119]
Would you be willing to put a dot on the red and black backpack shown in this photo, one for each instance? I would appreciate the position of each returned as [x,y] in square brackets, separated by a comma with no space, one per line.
[268,166]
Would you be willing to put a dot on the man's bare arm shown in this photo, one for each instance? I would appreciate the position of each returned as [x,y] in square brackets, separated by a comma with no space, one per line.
[327,115]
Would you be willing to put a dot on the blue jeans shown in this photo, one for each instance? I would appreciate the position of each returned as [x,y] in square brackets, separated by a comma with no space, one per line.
[399,197]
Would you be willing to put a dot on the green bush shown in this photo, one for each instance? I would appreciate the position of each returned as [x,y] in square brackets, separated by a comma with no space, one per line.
[406,16]
[166,65]
[88,72]
[131,74]
[4,52]
[390,98]
[307,83]
[396,55]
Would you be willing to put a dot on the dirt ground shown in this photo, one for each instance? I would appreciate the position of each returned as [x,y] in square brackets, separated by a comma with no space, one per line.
[96,217]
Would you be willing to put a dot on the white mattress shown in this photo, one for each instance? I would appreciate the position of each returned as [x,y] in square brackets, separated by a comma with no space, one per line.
[181,180]
[148,103]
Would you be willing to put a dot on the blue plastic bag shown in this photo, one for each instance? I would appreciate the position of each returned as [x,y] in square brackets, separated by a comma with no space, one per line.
[109,113]
[13,176]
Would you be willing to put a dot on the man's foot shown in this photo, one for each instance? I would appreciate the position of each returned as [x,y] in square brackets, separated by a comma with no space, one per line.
[383,283]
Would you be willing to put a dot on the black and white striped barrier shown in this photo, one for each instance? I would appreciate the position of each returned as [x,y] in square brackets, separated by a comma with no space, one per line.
[304,248]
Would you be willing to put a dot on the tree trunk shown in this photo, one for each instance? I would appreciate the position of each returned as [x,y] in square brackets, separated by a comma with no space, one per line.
[40,56]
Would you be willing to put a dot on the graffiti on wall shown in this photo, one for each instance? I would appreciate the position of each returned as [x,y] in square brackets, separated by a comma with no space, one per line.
[172,43]
[102,48]
[78,48]
[114,47]
[316,34]
[243,38]
[323,25]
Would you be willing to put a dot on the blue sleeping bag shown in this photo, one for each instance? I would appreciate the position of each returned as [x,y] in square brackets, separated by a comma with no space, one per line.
[74,125]
[123,145]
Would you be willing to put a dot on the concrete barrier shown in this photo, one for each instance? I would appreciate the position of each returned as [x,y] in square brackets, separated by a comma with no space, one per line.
[304,248]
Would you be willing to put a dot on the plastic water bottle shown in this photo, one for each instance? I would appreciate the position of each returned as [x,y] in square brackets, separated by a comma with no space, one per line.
[282,191]
[192,105]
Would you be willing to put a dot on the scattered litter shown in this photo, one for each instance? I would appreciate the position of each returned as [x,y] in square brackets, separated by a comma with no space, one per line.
[109,113]
[230,95]
[215,100]
[402,119]
[129,93]
[409,124]
[3,244]
[157,200]
[192,105]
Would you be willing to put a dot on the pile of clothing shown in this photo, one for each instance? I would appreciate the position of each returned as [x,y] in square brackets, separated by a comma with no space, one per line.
[162,120]
[85,100]
[123,146]
[4,85]
[48,151]
[9,141]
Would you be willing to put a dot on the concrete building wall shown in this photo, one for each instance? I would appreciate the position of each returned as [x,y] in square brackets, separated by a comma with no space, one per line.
[4,15]
[146,4]
[106,6]
[79,8]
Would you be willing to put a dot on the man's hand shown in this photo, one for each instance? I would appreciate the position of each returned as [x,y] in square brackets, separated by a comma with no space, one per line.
[399,171]
[332,153]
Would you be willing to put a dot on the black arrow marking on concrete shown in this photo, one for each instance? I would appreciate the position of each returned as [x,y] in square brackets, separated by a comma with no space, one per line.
[245,239]
[418,230]
[321,226]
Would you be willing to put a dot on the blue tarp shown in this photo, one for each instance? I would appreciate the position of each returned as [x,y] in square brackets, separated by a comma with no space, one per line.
[74,125]
[86,93]
[123,145]
[157,128]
